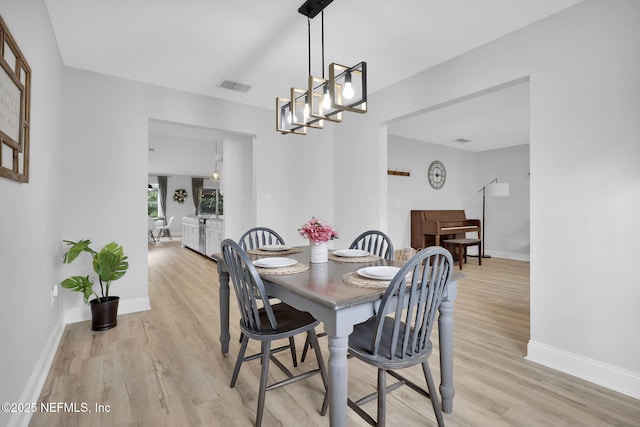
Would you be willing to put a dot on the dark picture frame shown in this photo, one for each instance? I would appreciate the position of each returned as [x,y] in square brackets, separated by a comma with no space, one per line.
[15,108]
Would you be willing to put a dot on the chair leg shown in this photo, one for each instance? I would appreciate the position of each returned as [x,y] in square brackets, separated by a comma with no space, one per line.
[292,346]
[312,338]
[382,397]
[307,344]
[433,394]
[306,348]
[236,370]
[266,354]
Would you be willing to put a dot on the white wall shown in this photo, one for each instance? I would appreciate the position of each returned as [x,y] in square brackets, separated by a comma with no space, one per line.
[507,221]
[310,181]
[31,221]
[174,155]
[175,209]
[238,186]
[583,65]
[414,192]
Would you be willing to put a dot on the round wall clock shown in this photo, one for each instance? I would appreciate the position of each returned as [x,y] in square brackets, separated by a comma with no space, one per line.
[437,174]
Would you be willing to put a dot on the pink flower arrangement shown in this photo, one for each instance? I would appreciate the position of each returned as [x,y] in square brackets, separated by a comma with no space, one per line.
[318,231]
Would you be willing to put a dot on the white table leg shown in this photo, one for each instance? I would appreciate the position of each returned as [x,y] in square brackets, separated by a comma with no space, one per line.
[223,295]
[338,380]
[445,336]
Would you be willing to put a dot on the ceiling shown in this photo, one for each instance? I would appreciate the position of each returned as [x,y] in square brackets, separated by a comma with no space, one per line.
[497,119]
[193,45]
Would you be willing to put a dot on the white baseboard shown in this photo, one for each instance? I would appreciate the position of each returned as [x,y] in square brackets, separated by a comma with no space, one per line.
[612,377]
[125,306]
[509,255]
[473,250]
[35,383]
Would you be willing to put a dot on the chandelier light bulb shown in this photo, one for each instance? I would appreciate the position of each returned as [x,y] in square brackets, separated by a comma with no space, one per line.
[347,91]
[326,98]
[305,112]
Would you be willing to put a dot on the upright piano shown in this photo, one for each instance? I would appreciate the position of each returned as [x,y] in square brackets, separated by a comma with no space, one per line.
[431,227]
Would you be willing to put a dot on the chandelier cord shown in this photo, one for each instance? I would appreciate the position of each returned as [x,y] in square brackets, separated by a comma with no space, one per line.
[309,41]
[322,18]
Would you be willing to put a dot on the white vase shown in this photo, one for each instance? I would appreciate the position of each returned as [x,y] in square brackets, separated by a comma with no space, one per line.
[318,252]
[319,275]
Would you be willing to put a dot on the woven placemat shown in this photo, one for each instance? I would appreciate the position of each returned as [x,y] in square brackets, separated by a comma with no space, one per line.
[274,253]
[354,279]
[368,258]
[292,269]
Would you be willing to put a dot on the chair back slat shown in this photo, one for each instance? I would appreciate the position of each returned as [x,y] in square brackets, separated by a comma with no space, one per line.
[259,236]
[374,242]
[413,304]
[248,287]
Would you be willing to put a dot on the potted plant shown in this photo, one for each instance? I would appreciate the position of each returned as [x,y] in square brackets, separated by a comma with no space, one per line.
[109,264]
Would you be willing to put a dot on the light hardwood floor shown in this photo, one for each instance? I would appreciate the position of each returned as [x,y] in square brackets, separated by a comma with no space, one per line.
[164,367]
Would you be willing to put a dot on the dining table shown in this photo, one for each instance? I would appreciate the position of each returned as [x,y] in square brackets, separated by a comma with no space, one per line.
[323,290]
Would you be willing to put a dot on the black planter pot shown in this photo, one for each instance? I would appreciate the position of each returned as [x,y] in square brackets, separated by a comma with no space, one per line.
[104,315]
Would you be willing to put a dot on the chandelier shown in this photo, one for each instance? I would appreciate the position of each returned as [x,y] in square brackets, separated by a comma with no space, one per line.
[323,99]
[215,175]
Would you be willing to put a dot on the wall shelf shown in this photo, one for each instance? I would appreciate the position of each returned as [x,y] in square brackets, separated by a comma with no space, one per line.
[398,172]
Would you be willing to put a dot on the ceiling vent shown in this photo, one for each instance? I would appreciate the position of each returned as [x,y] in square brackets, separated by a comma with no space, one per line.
[461,140]
[237,86]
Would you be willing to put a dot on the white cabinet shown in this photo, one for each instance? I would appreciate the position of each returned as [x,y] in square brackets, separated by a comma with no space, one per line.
[190,233]
[213,233]
[211,229]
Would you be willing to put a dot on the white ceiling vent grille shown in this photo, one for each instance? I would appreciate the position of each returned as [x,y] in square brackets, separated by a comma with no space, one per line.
[461,140]
[237,86]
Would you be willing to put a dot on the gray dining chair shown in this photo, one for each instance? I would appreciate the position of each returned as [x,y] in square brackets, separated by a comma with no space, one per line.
[256,237]
[266,324]
[398,337]
[375,242]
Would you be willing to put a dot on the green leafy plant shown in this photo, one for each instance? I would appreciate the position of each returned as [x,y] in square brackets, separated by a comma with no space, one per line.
[109,264]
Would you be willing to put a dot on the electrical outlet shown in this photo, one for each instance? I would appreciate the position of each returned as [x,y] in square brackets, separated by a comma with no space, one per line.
[267,198]
[54,293]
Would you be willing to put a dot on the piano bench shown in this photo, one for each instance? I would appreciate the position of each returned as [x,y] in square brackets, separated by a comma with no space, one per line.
[462,245]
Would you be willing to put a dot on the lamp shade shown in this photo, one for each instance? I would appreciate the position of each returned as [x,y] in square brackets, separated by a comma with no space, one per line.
[498,189]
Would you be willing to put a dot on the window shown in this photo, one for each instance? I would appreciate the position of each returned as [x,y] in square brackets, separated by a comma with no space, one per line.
[152,201]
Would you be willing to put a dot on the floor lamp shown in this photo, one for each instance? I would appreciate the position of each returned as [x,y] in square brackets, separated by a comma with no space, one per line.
[492,189]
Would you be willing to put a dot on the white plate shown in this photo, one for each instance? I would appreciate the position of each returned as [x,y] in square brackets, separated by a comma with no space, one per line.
[351,253]
[275,248]
[274,262]
[379,273]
